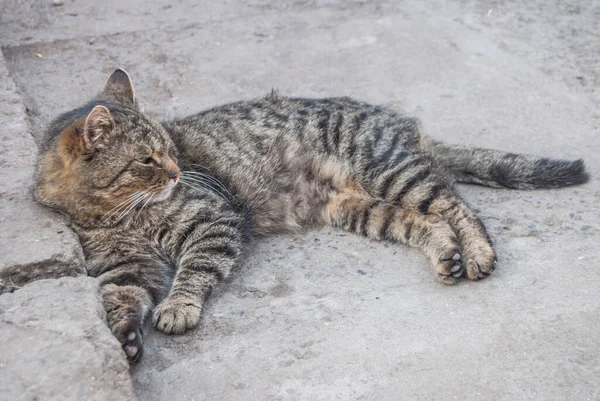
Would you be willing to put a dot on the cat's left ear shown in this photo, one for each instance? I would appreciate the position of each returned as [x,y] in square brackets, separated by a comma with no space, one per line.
[119,87]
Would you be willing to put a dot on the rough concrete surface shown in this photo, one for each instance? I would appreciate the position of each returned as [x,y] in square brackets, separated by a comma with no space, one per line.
[57,347]
[30,234]
[326,315]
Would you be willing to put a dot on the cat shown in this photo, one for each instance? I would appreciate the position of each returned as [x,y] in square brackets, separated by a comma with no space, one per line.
[165,211]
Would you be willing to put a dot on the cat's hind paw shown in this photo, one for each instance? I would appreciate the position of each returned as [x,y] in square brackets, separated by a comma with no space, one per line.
[449,267]
[480,263]
[175,315]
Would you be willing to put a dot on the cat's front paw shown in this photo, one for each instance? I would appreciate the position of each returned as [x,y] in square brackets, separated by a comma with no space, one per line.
[133,345]
[175,315]
[128,330]
[129,333]
[126,307]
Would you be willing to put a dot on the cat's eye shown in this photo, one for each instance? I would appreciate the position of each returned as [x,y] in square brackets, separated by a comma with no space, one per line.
[150,161]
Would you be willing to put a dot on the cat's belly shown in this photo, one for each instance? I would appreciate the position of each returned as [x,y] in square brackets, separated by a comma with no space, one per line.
[296,197]
[291,207]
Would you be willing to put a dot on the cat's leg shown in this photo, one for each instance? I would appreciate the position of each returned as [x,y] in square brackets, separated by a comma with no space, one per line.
[387,158]
[384,221]
[425,189]
[207,253]
[126,308]
[128,292]
[477,250]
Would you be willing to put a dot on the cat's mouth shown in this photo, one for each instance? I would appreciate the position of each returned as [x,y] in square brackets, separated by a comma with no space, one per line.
[165,193]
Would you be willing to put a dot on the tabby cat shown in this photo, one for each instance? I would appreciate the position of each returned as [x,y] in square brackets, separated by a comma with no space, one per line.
[165,211]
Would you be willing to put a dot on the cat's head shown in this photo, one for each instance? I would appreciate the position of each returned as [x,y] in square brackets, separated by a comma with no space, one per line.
[100,159]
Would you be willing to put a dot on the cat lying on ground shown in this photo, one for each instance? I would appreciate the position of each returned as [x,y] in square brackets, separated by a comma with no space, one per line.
[165,211]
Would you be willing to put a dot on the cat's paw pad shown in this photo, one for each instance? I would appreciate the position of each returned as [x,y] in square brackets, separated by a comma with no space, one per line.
[481,264]
[449,267]
[132,345]
[175,316]
[129,333]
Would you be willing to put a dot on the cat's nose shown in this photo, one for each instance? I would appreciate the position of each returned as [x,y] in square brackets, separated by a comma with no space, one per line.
[173,170]
[174,174]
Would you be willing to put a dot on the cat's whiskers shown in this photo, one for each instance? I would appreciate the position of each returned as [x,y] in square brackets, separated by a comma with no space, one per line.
[209,186]
[131,207]
[210,178]
[131,198]
[204,174]
[198,184]
[201,183]
[147,202]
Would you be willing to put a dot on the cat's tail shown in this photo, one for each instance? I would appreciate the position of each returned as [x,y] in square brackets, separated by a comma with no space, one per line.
[498,169]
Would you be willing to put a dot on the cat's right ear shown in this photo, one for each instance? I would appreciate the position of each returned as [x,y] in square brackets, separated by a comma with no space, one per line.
[98,124]
[119,87]
[85,136]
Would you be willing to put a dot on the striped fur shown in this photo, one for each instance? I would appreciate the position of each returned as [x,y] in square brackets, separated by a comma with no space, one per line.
[166,211]
[506,170]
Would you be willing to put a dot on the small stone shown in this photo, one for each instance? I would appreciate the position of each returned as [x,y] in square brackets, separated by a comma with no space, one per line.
[57,3]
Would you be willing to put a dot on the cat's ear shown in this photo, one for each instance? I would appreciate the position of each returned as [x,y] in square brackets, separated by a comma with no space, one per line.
[98,124]
[119,87]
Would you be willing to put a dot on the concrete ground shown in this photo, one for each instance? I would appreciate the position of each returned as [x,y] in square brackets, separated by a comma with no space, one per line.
[326,315]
